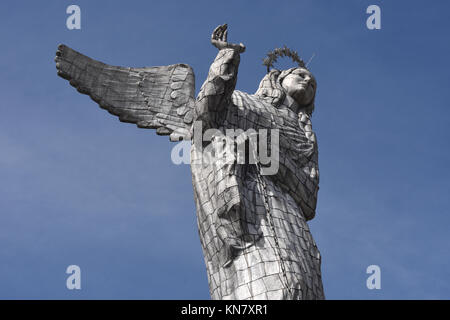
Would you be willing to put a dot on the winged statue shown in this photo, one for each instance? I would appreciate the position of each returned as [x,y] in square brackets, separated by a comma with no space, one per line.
[252,226]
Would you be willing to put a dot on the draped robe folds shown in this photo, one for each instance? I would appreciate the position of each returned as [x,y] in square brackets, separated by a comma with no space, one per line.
[252,253]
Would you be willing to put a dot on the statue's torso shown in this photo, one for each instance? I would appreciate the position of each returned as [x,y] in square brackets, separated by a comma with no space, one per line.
[234,226]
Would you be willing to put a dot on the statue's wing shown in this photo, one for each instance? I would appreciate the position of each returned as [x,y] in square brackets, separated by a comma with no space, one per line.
[160,98]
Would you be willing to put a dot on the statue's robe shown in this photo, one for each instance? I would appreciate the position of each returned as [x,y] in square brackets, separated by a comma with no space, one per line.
[251,252]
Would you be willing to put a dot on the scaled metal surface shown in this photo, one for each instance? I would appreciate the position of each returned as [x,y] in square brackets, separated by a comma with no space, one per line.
[253,227]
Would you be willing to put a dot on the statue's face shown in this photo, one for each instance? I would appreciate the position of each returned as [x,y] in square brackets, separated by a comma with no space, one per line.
[300,85]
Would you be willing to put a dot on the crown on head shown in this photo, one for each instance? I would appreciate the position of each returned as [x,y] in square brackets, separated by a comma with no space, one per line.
[272,57]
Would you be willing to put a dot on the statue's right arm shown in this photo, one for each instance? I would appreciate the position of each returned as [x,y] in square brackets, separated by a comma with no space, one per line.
[215,94]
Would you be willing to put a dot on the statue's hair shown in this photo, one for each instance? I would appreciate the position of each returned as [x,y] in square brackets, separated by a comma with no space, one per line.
[271,90]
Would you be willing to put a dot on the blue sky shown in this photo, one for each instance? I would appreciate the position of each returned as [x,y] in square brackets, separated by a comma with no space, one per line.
[79,187]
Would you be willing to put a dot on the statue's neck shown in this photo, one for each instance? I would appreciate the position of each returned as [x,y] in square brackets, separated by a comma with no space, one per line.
[289,104]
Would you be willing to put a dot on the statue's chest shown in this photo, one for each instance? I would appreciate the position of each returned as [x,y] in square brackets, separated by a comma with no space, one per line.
[250,112]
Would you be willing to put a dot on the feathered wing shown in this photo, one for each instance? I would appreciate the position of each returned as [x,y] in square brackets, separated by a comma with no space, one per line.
[160,98]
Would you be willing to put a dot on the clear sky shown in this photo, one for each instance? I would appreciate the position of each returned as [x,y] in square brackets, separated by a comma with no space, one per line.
[79,187]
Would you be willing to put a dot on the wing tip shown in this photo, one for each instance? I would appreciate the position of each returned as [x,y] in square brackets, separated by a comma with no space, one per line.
[63,75]
[59,60]
[60,50]
[61,46]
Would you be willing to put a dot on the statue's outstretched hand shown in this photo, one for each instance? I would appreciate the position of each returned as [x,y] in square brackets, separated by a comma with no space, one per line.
[219,39]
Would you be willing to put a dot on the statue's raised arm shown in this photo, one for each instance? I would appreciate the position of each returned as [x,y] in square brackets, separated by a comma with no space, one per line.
[215,94]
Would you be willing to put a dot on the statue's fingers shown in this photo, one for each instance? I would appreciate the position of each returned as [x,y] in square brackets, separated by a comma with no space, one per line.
[223,29]
[220,33]
[242,47]
[213,36]
[215,32]
[225,36]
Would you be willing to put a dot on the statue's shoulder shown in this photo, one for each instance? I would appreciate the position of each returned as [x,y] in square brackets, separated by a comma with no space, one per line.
[253,112]
[251,102]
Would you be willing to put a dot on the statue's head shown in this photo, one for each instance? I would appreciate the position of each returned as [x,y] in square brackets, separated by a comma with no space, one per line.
[298,83]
